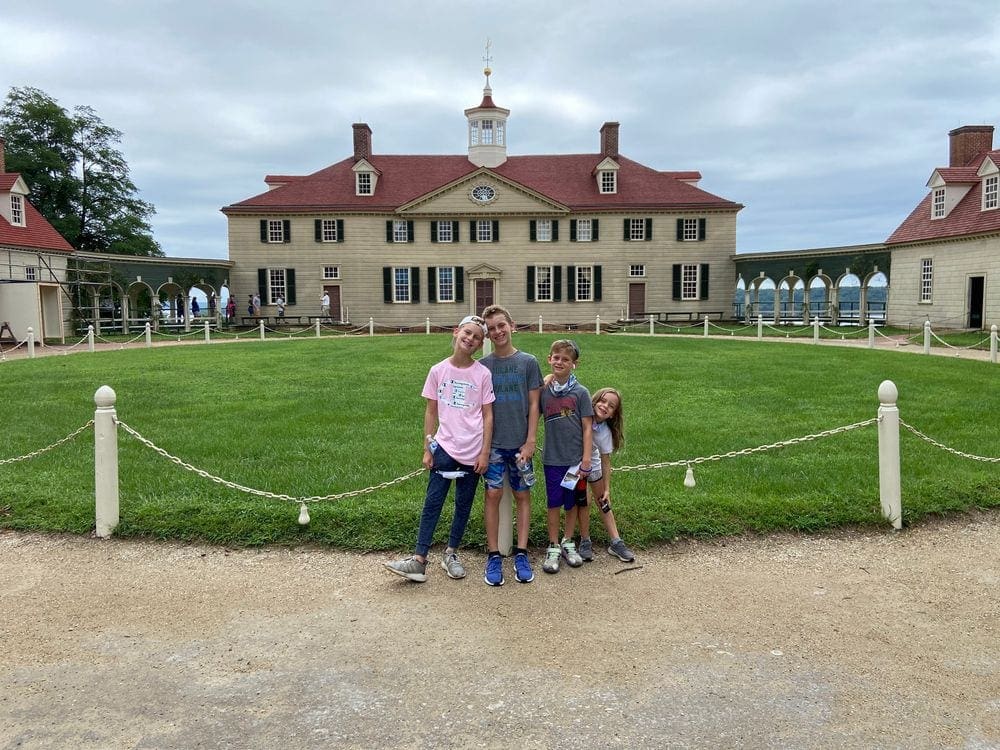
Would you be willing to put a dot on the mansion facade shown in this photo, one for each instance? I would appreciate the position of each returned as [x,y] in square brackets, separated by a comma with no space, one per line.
[407,238]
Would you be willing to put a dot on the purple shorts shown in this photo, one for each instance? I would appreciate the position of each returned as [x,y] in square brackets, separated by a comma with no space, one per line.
[558,496]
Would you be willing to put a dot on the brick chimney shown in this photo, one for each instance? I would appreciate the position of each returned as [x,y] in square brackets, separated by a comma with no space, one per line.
[362,141]
[609,139]
[3,159]
[968,142]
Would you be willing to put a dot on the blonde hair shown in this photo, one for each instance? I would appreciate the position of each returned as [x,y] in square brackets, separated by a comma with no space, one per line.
[617,422]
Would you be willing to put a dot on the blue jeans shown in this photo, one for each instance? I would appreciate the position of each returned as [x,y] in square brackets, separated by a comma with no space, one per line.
[437,491]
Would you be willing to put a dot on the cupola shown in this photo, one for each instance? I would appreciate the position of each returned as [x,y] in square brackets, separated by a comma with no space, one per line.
[487,127]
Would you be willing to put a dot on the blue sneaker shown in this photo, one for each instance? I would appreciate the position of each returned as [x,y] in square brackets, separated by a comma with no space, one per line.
[522,568]
[494,570]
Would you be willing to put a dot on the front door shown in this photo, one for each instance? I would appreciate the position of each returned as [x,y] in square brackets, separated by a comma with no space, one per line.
[335,311]
[977,286]
[636,300]
[484,294]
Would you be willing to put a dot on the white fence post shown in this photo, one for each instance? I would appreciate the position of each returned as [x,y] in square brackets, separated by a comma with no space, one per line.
[651,324]
[815,330]
[889,486]
[927,337]
[149,335]
[871,333]
[90,338]
[505,531]
[597,326]
[539,323]
[261,326]
[993,343]
[31,342]
[317,327]
[427,326]
[371,326]
[760,326]
[105,462]
[706,326]
[208,336]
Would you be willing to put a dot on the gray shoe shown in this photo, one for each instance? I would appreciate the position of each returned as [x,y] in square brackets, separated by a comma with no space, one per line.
[452,566]
[551,563]
[573,559]
[619,550]
[586,550]
[410,568]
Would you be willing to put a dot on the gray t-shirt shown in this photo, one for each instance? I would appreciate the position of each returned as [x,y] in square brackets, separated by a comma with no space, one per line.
[563,415]
[513,378]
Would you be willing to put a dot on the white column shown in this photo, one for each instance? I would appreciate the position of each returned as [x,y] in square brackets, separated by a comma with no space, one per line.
[371,326]
[505,533]
[993,343]
[597,326]
[760,326]
[149,335]
[427,326]
[706,326]
[815,330]
[889,485]
[651,324]
[927,337]
[260,323]
[208,337]
[871,333]
[90,338]
[105,462]
[539,323]
[31,342]
[317,327]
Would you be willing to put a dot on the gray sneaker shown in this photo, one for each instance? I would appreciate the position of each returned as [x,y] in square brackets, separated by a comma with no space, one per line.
[410,568]
[452,566]
[619,550]
[569,552]
[551,563]
[586,550]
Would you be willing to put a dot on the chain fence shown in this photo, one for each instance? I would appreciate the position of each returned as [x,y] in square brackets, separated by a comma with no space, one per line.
[944,447]
[47,448]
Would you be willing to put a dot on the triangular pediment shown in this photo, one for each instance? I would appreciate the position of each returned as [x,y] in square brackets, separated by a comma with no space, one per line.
[483,193]
[988,167]
[606,164]
[935,180]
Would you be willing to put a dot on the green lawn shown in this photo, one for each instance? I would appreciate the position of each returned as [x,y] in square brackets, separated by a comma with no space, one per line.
[315,417]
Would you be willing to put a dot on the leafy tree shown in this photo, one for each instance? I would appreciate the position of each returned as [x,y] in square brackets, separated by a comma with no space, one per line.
[78,177]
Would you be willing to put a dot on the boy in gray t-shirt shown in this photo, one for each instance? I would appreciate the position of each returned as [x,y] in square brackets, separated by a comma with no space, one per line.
[517,379]
[568,414]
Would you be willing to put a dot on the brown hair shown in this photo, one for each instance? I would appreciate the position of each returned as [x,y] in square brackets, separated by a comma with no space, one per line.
[492,310]
[617,423]
[565,345]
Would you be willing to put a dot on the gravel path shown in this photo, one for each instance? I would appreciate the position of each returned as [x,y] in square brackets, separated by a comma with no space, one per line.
[852,640]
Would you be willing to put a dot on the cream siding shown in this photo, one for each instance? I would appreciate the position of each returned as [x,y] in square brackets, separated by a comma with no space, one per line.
[955,262]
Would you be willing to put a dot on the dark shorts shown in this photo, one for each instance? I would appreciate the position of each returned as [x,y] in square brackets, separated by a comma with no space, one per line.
[558,496]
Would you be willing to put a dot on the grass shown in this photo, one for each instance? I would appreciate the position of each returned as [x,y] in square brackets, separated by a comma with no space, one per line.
[315,417]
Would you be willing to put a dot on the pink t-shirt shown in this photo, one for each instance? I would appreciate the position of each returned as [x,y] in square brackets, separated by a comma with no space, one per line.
[460,393]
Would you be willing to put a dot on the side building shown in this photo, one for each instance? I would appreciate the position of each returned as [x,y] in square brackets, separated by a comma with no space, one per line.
[405,238]
[946,254]
[33,259]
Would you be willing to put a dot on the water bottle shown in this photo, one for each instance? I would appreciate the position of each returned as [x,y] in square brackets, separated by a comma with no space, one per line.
[527,473]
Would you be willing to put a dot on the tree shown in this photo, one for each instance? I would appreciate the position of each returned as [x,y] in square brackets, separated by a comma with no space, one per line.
[78,177]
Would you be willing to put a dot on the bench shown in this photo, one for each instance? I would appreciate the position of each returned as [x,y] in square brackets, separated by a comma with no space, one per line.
[287,320]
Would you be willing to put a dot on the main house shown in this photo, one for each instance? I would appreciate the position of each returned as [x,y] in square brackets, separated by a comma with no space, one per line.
[406,238]
[946,254]
[34,257]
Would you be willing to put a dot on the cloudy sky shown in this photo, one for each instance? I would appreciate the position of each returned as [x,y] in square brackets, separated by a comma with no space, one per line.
[824,119]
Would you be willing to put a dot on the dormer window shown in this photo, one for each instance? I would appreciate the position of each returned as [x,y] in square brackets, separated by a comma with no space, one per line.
[991,184]
[937,203]
[17,210]
[609,181]
[364,183]
[365,177]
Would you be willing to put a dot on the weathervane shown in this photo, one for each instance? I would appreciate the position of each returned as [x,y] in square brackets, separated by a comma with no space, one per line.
[487,59]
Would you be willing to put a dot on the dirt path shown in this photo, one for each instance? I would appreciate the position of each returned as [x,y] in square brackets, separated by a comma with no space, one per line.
[853,640]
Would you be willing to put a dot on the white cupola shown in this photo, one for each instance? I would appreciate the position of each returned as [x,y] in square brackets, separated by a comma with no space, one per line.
[487,129]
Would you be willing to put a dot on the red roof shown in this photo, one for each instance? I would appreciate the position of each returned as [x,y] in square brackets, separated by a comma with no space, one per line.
[965,219]
[566,179]
[37,234]
[958,174]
